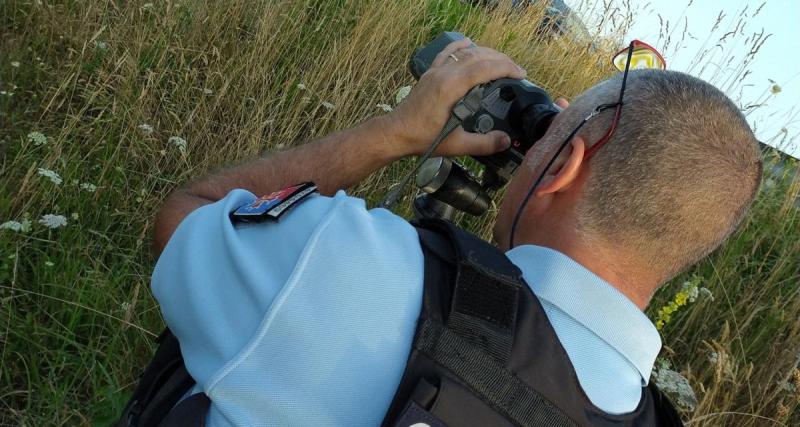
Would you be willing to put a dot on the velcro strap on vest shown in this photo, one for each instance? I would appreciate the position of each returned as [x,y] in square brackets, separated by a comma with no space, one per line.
[485,296]
[484,310]
[482,372]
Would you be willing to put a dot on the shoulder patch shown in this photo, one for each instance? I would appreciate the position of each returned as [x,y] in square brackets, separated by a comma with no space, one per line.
[273,205]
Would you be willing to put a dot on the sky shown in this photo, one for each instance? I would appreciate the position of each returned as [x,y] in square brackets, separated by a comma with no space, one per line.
[769,94]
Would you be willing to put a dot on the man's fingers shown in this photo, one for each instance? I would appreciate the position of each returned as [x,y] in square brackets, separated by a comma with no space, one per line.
[485,70]
[453,47]
[433,97]
[461,142]
[562,102]
[475,65]
[479,53]
[468,55]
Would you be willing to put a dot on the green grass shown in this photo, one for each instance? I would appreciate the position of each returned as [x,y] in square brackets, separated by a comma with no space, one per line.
[76,315]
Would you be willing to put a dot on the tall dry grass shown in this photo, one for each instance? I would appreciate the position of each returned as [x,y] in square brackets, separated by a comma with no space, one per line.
[235,79]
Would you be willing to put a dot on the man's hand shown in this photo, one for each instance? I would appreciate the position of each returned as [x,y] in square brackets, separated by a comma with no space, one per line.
[344,158]
[420,117]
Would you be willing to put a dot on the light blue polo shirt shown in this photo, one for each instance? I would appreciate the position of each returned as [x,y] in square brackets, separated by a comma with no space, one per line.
[310,320]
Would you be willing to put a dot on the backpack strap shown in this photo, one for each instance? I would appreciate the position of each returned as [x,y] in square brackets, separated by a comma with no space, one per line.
[475,341]
[667,414]
[190,412]
[162,384]
[485,297]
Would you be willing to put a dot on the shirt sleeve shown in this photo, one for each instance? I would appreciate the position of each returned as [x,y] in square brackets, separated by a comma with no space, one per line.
[215,280]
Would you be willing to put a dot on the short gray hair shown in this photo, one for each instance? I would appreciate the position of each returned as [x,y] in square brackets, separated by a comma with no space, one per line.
[677,176]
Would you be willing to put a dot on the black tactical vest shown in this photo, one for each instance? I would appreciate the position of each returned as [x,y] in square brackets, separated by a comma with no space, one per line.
[484,354]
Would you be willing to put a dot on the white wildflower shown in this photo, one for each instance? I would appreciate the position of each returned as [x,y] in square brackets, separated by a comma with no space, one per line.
[15,64]
[100,45]
[301,86]
[147,6]
[178,142]
[75,216]
[787,386]
[125,306]
[691,290]
[328,105]
[87,186]
[11,225]
[145,128]
[53,221]
[37,138]
[52,175]
[385,107]
[208,91]
[402,93]
[705,292]
[19,227]
[48,264]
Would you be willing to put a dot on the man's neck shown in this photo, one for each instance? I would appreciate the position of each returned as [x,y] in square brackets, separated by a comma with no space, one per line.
[629,284]
[608,265]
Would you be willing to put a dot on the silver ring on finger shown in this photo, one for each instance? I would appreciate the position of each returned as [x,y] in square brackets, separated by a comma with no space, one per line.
[453,55]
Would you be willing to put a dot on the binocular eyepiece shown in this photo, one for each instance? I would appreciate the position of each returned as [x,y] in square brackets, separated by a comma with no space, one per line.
[517,107]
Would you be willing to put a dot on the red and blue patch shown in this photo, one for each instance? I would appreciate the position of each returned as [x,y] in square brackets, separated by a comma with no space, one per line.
[273,205]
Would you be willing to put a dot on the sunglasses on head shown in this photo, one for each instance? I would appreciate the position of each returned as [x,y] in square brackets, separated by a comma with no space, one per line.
[638,55]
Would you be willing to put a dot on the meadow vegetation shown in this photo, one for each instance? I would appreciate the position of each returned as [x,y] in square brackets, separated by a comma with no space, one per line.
[106,107]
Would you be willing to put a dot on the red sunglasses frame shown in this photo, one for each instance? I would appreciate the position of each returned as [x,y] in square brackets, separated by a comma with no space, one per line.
[601,142]
[618,112]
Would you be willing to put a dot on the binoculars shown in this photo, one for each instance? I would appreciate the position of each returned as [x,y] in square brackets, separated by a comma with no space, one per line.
[517,107]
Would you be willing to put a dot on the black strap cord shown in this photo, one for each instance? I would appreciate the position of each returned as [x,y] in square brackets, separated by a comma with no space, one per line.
[547,168]
[598,110]
[394,195]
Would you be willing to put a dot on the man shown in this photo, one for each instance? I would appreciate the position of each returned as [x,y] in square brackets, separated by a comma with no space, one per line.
[310,320]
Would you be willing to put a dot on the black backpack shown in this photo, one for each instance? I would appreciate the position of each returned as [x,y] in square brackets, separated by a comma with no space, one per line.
[484,354]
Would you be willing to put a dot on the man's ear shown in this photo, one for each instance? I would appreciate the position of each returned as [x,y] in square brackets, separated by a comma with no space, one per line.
[565,172]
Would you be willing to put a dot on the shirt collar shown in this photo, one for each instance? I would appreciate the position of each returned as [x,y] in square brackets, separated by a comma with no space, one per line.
[592,302]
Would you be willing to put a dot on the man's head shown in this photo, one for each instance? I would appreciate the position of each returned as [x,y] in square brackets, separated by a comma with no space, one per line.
[670,185]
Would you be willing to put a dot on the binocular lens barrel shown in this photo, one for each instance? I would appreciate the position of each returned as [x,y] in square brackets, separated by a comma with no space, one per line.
[449,183]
